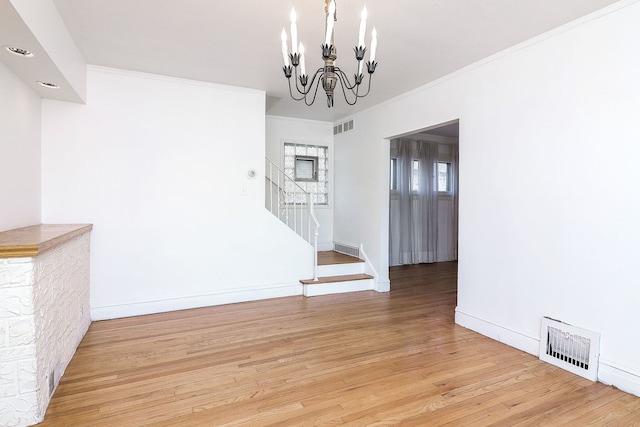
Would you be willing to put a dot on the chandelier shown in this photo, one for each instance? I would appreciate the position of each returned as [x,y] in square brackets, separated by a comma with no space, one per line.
[329,75]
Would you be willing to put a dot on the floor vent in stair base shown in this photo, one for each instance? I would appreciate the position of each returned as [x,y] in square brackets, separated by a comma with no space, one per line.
[347,250]
[568,347]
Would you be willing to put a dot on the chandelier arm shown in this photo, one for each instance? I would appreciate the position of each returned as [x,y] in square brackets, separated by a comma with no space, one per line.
[291,93]
[356,86]
[346,79]
[304,94]
[295,79]
[368,87]
[304,91]
[317,86]
[313,79]
[342,77]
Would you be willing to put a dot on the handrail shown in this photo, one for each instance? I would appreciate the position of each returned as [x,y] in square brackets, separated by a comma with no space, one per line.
[312,215]
[290,199]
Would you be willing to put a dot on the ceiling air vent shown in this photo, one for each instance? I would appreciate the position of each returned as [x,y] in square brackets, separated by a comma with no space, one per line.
[570,348]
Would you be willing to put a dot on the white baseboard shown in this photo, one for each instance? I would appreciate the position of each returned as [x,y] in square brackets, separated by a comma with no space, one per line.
[609,373]
[227,296]
[499,333]
[382,286]
[625,379]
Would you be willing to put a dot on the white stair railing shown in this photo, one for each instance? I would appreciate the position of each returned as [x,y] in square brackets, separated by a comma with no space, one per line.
[292,205]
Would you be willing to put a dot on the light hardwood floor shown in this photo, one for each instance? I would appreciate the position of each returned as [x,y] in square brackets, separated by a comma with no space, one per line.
[359,359]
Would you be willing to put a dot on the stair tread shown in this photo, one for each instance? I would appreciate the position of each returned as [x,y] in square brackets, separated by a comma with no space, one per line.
[333,257]
[334,279]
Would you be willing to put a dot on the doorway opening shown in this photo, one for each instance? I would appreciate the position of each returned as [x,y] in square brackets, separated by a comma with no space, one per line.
[423,196]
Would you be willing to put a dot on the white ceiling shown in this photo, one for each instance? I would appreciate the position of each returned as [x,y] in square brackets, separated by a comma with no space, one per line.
[238,42]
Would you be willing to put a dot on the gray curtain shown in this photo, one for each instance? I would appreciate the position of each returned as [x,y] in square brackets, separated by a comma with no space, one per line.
[428,202]
[416,215]
[406,212]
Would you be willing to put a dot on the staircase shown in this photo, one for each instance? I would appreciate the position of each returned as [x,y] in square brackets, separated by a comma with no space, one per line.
[292,205]
[334,272]
[338,273]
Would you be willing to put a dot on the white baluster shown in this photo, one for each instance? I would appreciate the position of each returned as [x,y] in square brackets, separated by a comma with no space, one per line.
[271,185]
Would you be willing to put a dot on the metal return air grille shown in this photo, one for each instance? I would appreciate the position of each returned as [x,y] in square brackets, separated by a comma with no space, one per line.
[568,347]
[347,250]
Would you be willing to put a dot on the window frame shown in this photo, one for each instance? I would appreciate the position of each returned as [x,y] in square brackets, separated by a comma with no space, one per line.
[393,174]
[313,161]
[449,189]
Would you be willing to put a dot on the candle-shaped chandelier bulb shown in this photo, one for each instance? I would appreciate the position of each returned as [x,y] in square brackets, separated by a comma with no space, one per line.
[303,69]
[285,54]
[363,26]
[329,75]
[331,16]
[374,45]
[294,32]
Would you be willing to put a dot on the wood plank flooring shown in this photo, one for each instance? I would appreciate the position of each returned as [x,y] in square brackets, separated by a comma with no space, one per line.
[355,359]
[332,257]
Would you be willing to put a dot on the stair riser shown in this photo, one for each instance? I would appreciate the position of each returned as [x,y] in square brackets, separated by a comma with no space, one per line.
[340,269]
[337,287]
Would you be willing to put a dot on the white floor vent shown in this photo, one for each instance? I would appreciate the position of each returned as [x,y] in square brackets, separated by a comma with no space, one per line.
[568,347]
[347,250]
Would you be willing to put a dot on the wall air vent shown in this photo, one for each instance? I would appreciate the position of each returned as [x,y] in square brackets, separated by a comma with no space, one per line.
[348,125]
[568,347]
[347,250]
[343,127]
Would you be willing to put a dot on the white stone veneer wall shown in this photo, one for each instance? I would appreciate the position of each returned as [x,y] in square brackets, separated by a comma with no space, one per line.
[44,313]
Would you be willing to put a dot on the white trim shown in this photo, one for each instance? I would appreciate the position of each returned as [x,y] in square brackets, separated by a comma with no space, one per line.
[611,373]
[382,286]
[499,333]
[227,296]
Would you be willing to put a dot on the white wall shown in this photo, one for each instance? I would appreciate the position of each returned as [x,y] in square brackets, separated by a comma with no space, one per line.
[159,166]
[283,129]
[549,204]
[19,153]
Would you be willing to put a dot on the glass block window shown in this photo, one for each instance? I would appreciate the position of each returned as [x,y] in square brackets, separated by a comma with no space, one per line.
[312,162]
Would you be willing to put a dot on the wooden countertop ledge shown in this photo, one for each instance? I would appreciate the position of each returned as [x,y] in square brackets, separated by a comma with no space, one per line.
[36,239]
